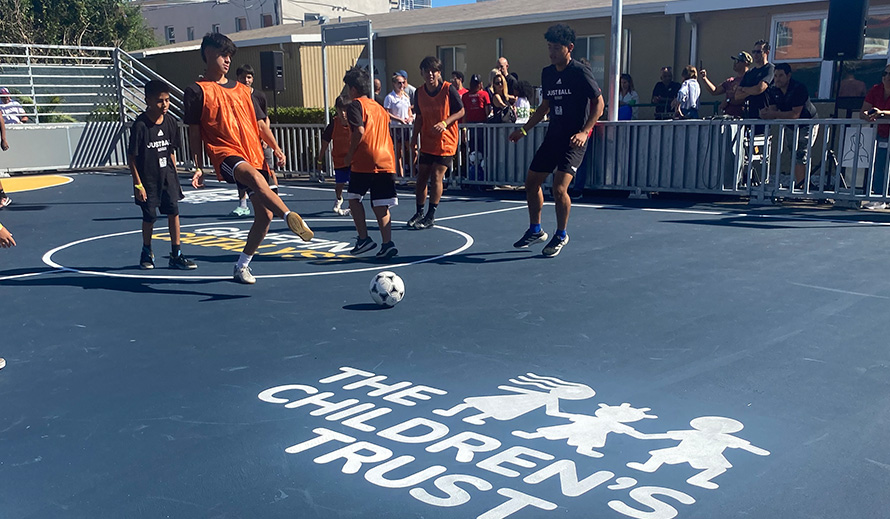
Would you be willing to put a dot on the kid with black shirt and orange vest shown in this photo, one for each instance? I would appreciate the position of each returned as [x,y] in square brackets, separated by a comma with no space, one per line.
[223,116]
[574,101]
[437,108]
[152,162]
[338,132]
[371,162]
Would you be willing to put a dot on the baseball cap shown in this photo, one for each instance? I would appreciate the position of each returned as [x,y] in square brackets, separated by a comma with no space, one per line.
[402,73]
[4,91]
[475,77]
[744,57]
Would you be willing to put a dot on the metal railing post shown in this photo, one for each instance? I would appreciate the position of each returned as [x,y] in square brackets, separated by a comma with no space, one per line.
[118,86]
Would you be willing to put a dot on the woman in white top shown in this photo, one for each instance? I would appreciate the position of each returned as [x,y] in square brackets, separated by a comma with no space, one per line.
[628,98]
[524,92]
[398,104]
[686,103]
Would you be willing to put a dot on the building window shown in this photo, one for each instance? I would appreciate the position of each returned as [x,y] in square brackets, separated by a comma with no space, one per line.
[593,49]
[267,20]
[190,33]
[453,58]
[214,27]
[169,34]
[311,17]
[240,24]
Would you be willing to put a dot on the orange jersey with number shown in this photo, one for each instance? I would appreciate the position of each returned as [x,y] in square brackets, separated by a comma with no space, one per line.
[434,110]
[374,153]
[229,126]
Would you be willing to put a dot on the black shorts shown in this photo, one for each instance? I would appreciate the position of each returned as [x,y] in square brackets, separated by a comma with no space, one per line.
[227,171]
[559,154]
[426,159]
[163,194]
[381,185]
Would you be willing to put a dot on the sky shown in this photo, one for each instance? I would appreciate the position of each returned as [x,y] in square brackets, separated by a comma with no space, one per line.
[443,3]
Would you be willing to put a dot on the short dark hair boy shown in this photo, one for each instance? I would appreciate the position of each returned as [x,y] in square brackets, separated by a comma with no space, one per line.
[152,162]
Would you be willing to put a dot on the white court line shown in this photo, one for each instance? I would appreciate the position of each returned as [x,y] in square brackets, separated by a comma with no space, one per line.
[478,214]
[28,275]
[839,291]
[47,258]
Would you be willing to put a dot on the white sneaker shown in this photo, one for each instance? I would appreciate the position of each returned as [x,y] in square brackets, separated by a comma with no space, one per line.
[243,275]
[875,206]
[337,205]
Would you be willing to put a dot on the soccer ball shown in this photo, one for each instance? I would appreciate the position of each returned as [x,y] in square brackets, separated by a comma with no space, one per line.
[387,289]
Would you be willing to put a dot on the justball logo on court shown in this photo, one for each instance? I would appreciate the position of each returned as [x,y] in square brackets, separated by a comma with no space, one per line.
[456,432]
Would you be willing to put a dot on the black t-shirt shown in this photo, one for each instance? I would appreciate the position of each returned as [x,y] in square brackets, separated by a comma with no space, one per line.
[193,99]
[795,95]
[354,115]
[754,77]
[455,104]
[151,146]
[259,101]
[568,93]
[667,93]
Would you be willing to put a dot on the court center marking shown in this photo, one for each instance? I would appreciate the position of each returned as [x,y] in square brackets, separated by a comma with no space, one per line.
[47,257]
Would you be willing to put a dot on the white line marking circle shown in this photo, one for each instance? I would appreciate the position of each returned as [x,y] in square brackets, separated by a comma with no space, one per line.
[47,258]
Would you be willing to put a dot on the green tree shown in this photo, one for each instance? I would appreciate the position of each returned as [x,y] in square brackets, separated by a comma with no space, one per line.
[99,23]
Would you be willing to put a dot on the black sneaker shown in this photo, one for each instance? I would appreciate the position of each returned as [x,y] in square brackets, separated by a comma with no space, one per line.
[147,260]
[387,250]
[362,245]
[426,222]
[554,246]
[414,219]
[530,238]
[180,262]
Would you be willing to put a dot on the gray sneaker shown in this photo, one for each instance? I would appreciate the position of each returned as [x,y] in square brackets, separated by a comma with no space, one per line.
[530,238]
[146,261]
[426,222]
[554,246]
[414,219]
[243,275]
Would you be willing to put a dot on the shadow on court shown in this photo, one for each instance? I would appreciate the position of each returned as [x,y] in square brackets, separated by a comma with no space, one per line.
[135,286]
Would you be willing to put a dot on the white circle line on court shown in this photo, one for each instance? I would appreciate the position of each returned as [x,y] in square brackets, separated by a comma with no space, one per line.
[47,257]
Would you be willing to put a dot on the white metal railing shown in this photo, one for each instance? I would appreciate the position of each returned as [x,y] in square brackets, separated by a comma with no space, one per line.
[57,83]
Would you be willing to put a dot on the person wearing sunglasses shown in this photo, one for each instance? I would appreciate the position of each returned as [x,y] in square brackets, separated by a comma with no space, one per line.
[876,107]
[755,82]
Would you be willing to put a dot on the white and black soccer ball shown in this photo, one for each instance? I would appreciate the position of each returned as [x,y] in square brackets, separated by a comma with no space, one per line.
[387,289]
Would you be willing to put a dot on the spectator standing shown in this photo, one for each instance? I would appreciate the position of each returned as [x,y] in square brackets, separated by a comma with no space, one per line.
[790,99]
[13,111]
[664,93]
[512,80]
[628,98]
[408,87]
[687,102]
[378,91]
[477,103]
[457,79]
[524,91]
[877,108]
[502,110]
[755,82]
[730,106]
[398,105]
[4,200]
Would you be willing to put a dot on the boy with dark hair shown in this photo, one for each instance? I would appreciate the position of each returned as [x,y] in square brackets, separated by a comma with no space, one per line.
[437,109]
[338,132]
[574,101]
[245,75]
[152,161]
[372,164]
[223,116]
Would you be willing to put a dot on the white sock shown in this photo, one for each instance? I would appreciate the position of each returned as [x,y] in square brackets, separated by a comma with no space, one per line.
[285,215]
[243,261]
[244,203]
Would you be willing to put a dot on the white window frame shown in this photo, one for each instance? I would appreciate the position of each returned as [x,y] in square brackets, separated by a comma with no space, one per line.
[605,55]
[440,48]
[170,34]
[190,33]
[238,19]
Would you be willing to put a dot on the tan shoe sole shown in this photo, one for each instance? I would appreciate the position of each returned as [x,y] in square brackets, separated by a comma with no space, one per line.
[299,227]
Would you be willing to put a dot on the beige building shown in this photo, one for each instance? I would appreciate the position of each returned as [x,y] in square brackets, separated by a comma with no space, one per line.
[471,37]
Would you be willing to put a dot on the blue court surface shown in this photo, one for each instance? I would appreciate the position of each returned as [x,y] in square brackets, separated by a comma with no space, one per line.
[679,359]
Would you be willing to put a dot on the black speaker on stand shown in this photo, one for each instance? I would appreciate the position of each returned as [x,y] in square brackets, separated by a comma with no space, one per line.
[845,31]
[272,73]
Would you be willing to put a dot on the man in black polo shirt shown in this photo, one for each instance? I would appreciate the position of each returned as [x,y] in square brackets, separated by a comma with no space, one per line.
[663,93]
[789,99]
[574,102]
[752,89]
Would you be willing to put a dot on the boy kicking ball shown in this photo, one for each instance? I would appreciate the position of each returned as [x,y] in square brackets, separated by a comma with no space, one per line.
[223,116]
[372,163]
[152,164]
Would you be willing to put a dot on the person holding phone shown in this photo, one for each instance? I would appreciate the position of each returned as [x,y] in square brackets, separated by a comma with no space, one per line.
[877,107]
